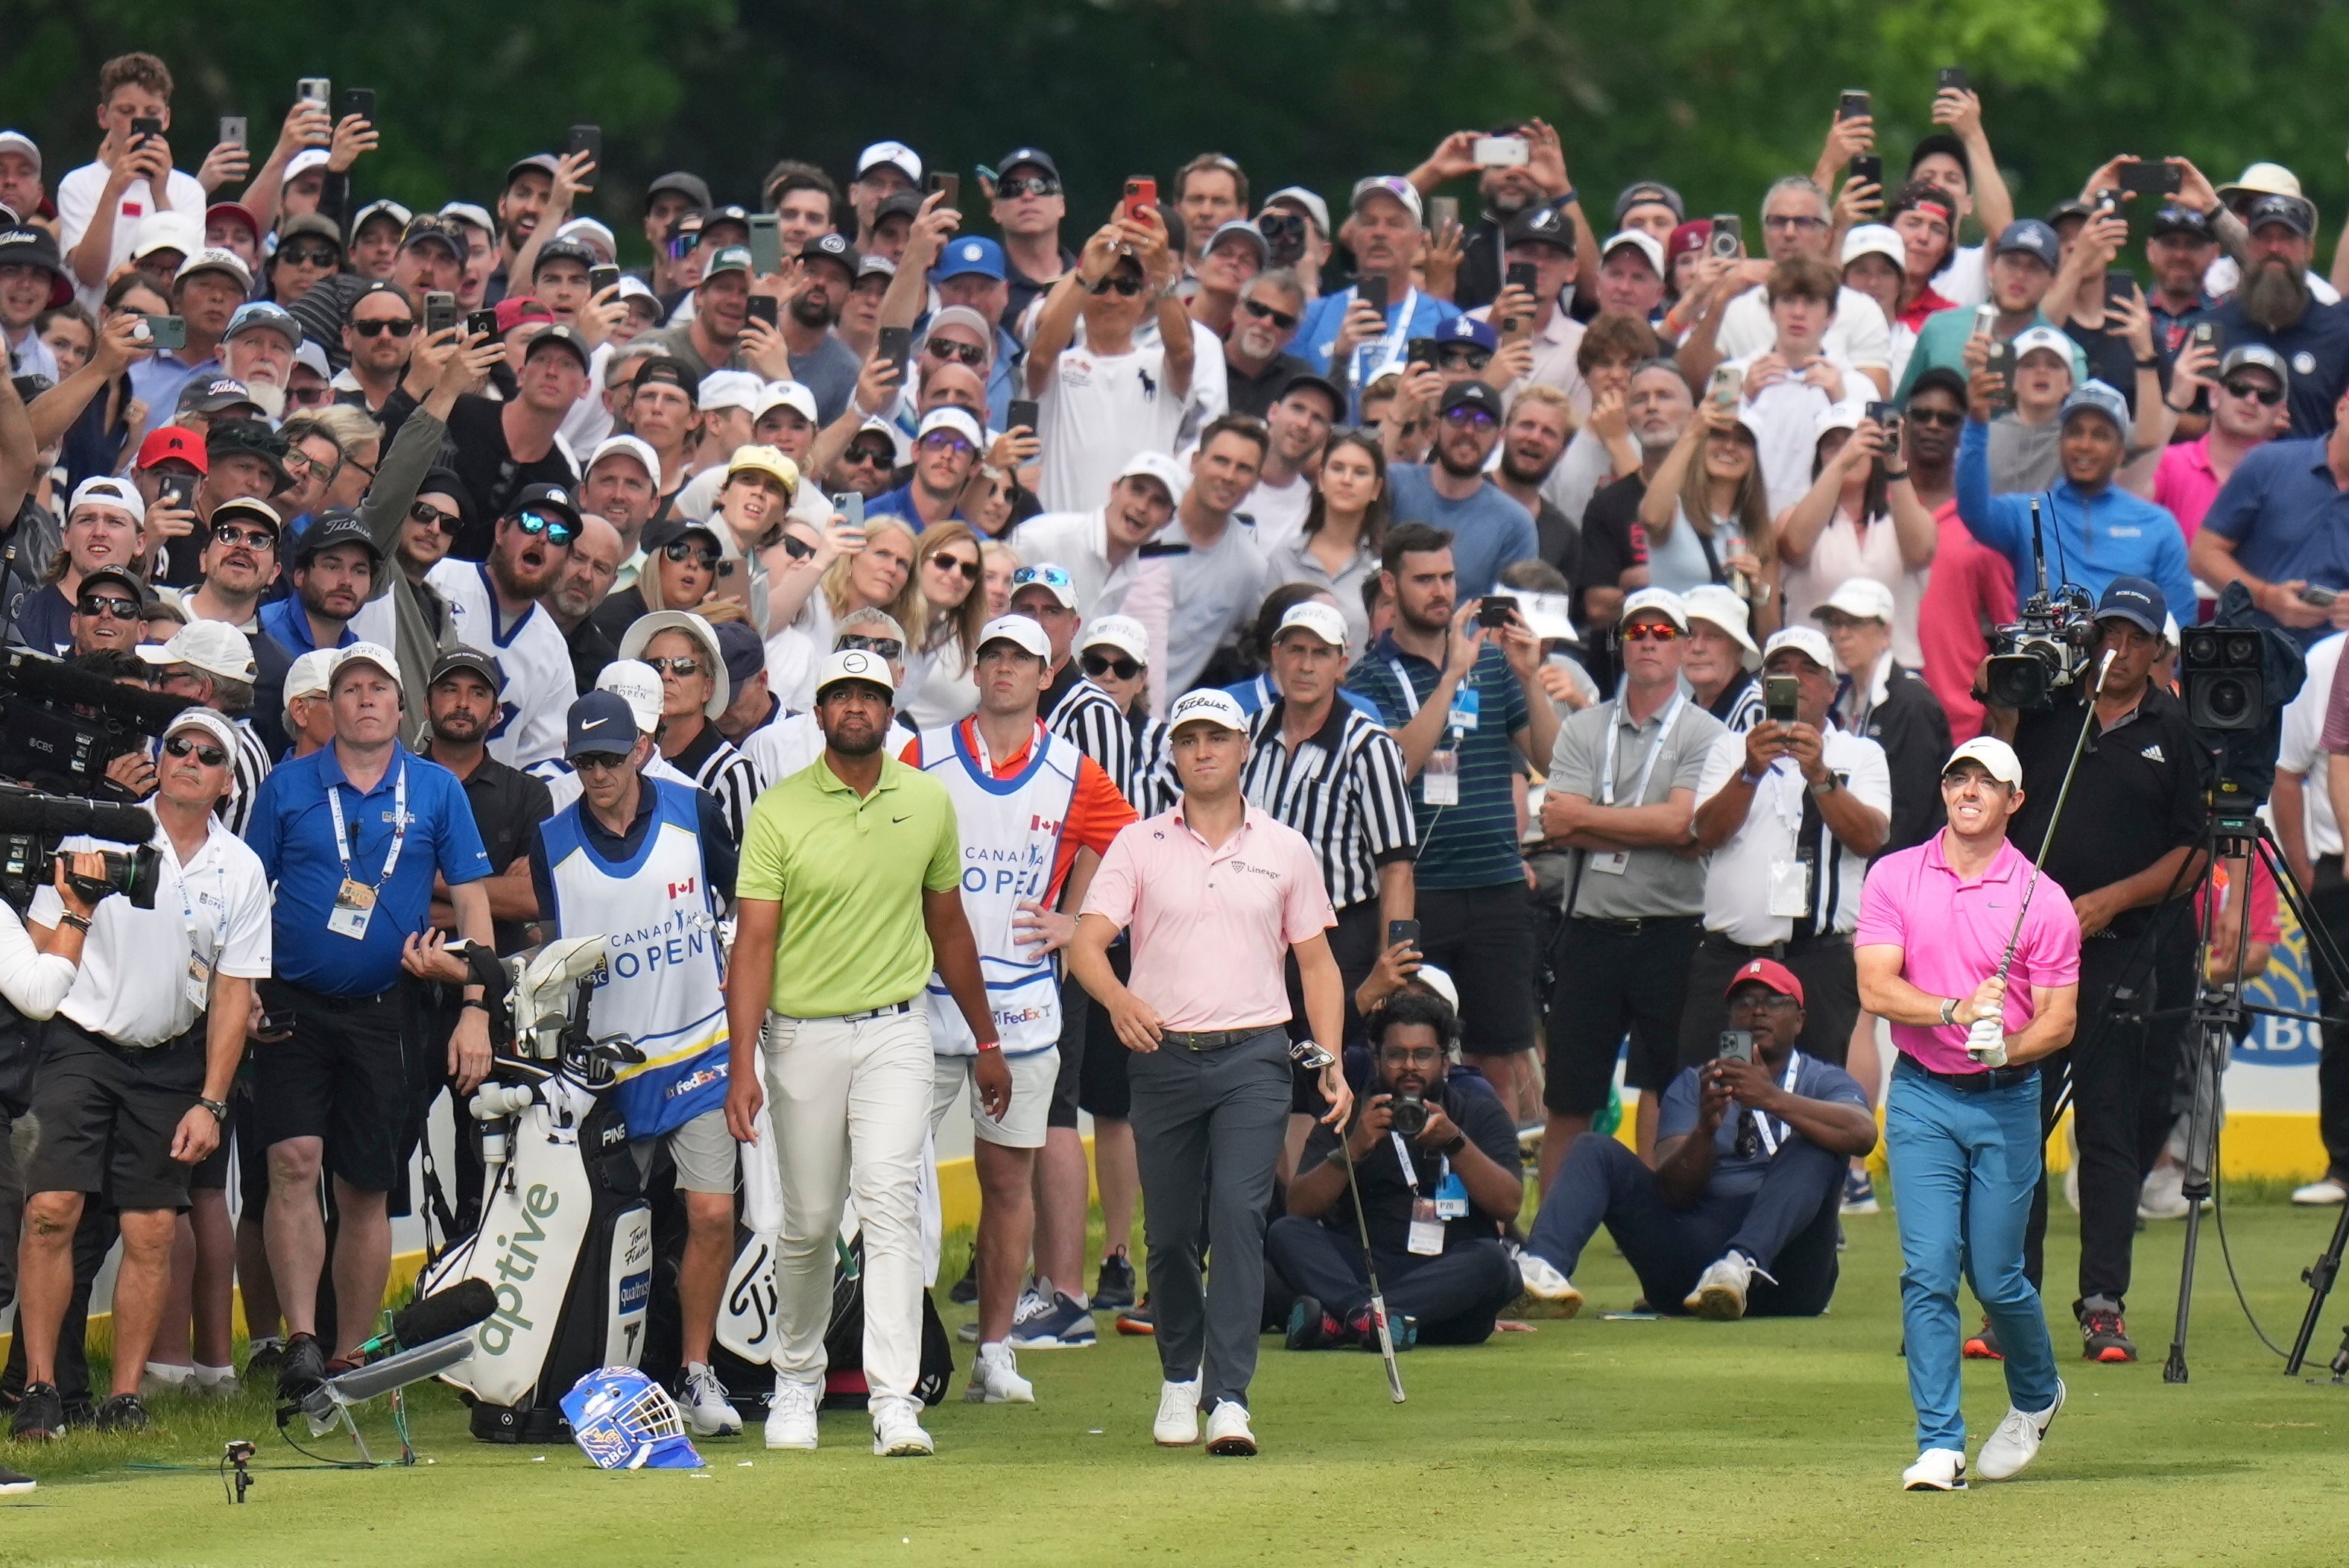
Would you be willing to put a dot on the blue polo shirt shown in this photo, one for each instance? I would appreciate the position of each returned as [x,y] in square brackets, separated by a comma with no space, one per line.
[288,625]
[2317,349]
[1475,844]
[293,831]
[2288,521]
[899,503]
[1317,335]
[1490,530]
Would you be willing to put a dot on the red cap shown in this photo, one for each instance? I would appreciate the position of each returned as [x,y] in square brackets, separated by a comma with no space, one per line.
[515,309]
[174,441]
[1692,235]
[236,211]
[1770,973]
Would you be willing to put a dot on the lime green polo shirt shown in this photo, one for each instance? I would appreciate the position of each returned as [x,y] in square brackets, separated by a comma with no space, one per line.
[850,873]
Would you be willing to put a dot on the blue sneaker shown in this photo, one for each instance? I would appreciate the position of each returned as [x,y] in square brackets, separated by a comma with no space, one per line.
[1859,1193]
[1060,1325]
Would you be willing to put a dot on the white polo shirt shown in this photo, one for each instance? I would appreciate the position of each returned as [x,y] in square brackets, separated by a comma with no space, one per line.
[1858,336]
[2303,752]
[1738,876]
[133,985]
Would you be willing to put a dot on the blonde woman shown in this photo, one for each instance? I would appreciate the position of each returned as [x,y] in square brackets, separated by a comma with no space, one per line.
[1707,517]
[939,686]
[999,562]
[880,576]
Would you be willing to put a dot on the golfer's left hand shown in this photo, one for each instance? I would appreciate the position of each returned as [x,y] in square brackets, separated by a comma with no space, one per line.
[1986,1042]
[992,1076]
[1339,1093]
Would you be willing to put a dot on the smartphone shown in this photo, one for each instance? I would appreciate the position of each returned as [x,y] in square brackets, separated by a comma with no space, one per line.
[167,331]
[1868,168]
[2105,200]
[1502,152]
[601,278]
[1141,191]
[897,347]
[1442,210]
[1985,320]
[360,101]
[1726,385]
[1852,104]
[480,324]
[440,312]
[144,127]
[1496,610]
[2320,597]
[2000,364]
[766,244]
[316,89]
[1400,931]
[2149,178]
[1421,351]
[1373,292]
[177,492]
[852,507]
[2205,333]
[2118,287]
[1728,234]
[948,184]
[274,1024]
[1781,695]
[764,307]
[1736,1045]
[589,140]
[1022,415]
[1525,275]
[1952,80]
[232,129]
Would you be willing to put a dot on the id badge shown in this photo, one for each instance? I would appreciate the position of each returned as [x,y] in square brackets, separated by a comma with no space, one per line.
[1465,700]
[1790,888]
[1426,1229]
[1610,862]
[354,907]
[1439,782]
[199,980]
[1450,1198]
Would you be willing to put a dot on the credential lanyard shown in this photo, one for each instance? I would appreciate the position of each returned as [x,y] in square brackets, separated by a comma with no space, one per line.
[1390,346]
[1647,768]
[399,829]
[1761,1122]
[1452,732]
[1410,1171]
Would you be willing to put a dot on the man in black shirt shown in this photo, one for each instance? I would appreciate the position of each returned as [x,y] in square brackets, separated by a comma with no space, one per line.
[2126,851]
[1257,362]
[1445,1275]
[501,448]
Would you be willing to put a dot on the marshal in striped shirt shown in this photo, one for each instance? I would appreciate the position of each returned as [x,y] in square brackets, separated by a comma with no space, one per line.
[1079,711]
[1344,788]
[710,761]
[251,766]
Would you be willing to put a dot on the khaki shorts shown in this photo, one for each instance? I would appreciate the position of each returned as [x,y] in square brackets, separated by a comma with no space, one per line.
[1032,1077]
[702,1150]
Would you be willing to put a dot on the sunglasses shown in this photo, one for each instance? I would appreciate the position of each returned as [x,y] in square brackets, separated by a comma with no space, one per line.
[683,550]
[316,396]
[1280,318]
[796,548]
[377,328]
[599,761]
[1050,576]
[1463,358]
[886,647]
[1802,224]
[1945,419]
[308,256]
[251,538]
[870,457]
[210,755]
[945,441]
[1026,185]
[431,516]
[299,462]
[558,530]
[946,352]
[1099,664]
[2270,396]
[1651,631]
[1125,284]
[679,666]
[94,605]
[945,563]
[1462,419]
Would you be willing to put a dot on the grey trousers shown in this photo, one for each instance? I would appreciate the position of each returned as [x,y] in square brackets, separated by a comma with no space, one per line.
[1207,1129]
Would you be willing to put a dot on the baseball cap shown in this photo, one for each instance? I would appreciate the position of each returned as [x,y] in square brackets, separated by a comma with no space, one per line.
[1470,394]
[468,215]
[462,657]
[16,141]
[2043,337]
[1642,191]
[303,162]
[1996,757]
[213,259]
[1657,601]
[1205,706]
[309,673]
[638,685]
[1391,185]
[545,498]
[262,315]
[1468,330]
[100,489]
[792,395]
[214,648]
[1021,631]
[1156,465]
[1766,971]
[2136,600]
[316,224]
[1123,633]
[216,725]
[1034,156]
[874,266]
[1861,598]
[432,228]
[158,232]
[897,154]
[170,441]
[543,162]
[562,250]
[984,258]
[2256,356]
[838,248]
[668,367]
[904,204]
[381,207]
[2175,220]
[30,247]
[1240,229]
[1542,225]
[1835,417]
[2294,213]
[1321,384]
[337,526]
[130,581]
[217,393]
[728,258]
[692,187]
[1053,580]
[587,233]
[1689,238]
[645,628]
[635,447]
[601,725]
[2097,397]
[743,651]
[258,512]
[958,421]
[308,354]
[242,437]
[732,389]
[1640,240]
[1312,615]
[1305,201]
[517,309]
[1875,239]
[1807,641]
[1718,603]
[371,654]
[755,458]
[854,664]
[2029,236]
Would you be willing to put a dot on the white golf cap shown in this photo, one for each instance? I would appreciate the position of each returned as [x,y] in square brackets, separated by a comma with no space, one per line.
[1862,599]
[789,395]
[303,162]
[1053,579]
[2032,338]
[1807,641]
[1875,239]
[1123,633]
[645,628]
[854,665]
[1024,632]
[104,489]
[1640,240]
[1206,706]
[1389,185]
[1306,201]
[213,259]
[638,685]
[1157,466]
[897,154]
[216,725]
[469,214]
[1835,417]
[589,231]
[1656,600]
[730,389]
[308,354]
[635,447]
[165,232]
[308,675]
[1997,757]
[1440,981]
[214,648]
[1717,603]
[373,654]
[958,421]
[16,141]
[1311,615]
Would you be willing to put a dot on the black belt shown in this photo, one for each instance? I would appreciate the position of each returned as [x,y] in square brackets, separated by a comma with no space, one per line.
[1981,1082]
[1634,927]
[1212,1039]
[1792,947]
[891,1011]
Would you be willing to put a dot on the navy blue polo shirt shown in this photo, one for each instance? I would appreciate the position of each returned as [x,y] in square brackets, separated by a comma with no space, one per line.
[1475,844]
[2317,350]
[293,831]
[1735,1175]
[2288,521]
[899,503]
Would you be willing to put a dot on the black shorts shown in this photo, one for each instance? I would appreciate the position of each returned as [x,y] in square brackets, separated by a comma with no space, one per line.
[107,1116]
[1102,1086]
[251,1154]
[342,1077]
[1076,1015]
[1612,979]
[1825,965]
[1355,942]
[1483,938]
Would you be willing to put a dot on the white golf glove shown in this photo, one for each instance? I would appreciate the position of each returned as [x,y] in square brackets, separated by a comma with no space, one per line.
[1986,1041]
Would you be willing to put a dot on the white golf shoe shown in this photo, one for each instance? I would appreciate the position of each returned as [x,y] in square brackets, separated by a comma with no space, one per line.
[1543,1282]
[995,1379]
[791,1416]
[1936,1470]
[897,1434]
[2016,1442]
[1719,1293]
[1228,1431]
[1178,1424]
[707,1412]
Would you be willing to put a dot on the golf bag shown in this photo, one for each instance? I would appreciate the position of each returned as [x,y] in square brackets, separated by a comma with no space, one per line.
[746,1327]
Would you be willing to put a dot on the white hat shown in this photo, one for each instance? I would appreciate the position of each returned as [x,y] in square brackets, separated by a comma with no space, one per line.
[1997,757]
[1662,600]
[635,287]
[216,725]
[213,259]
[470,214]
[1024,632]
[308,675]
[303,162]
[635,447]
[2046,337]
[1390,185]
[1120,632]
[789,395]
[1312,615]
[1719,604]
[1835,417]
[645,628]
[730,389]
[1875,239]
[1807,641]
[308,354]
[165,232]
[1647,244]
[374,653]
[1296,195]
[18,142]
[590,232]
[1206,706]
[854,665]
[103,489]
[1862,599]
[1157,465]
[2261,179]
[1440,981]
[214,648]
[638,685]
[958,421]
[904,159]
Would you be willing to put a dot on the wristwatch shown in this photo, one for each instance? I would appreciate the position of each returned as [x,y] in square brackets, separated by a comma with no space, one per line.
[1459,1141]
[1949,1010]
[219,1108]
[78,922]
[1828,786]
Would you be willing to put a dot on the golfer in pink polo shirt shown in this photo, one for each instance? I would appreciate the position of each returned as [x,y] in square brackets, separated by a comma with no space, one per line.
[1961,1124]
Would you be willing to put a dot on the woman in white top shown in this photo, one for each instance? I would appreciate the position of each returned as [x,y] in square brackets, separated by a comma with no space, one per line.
[941,688]
[1704,516]
[1345,529]
[1857,520]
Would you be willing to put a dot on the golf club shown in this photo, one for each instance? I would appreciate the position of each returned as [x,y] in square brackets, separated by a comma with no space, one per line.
[2047,840]
[1378,1298]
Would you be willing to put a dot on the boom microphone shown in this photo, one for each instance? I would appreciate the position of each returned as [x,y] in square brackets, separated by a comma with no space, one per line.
[435,1317]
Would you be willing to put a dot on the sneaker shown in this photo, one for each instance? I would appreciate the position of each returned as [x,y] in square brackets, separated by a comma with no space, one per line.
[1719,1293]
[969,1333]
[708,1410]
[2016,1442]
[1113,1288]
[124,1413]
[2163,1195]
[1983,1346]
[897,1435]
[966,1289]
[2104,1337]
[303,1367]
[1064,1325]
[1936,1470]
[1311,1327]
[268,1355]
[224,1388]
[161,1382]
[1544,1283]
[1859,1193]
[1228,1431]
[40,1414]
[14,1483]
[1136,1320]
[995,1379]
[2322,1193]
[1176,1425]
[1363,1329]
[791,1415]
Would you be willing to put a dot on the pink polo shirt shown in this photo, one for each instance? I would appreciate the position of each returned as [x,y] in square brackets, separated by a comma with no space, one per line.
[1211,927]
[2183,483]
[1952,934]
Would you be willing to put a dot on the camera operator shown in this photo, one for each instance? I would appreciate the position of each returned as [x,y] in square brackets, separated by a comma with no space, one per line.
[209,663]
[2125,852]
[131,1091]
[1435,1196]
[1749,1175]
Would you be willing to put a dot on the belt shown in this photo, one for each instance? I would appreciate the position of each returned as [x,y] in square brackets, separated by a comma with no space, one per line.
[1633,926]
[893,1010]
[1981,1082]
[1716,942]
[1212,1039]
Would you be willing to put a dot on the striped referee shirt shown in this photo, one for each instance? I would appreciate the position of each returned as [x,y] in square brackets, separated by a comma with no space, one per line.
[251,766]
[1154,789]
[1080,712]
[1343,788]
[713,764]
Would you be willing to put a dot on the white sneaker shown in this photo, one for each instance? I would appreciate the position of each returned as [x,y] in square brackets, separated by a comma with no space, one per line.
[707,1409]
[1543,1282]
[791,1416]
[995,1379]
[1228,1431]
[1719,1293]
[224,1386]
[1177,1426]
[896,1434]
[2322,1193]
[1936,1470]
[2016,1442]
[2163,1195]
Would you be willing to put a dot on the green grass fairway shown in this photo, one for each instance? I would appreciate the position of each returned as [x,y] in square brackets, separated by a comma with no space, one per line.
[1588,1441]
